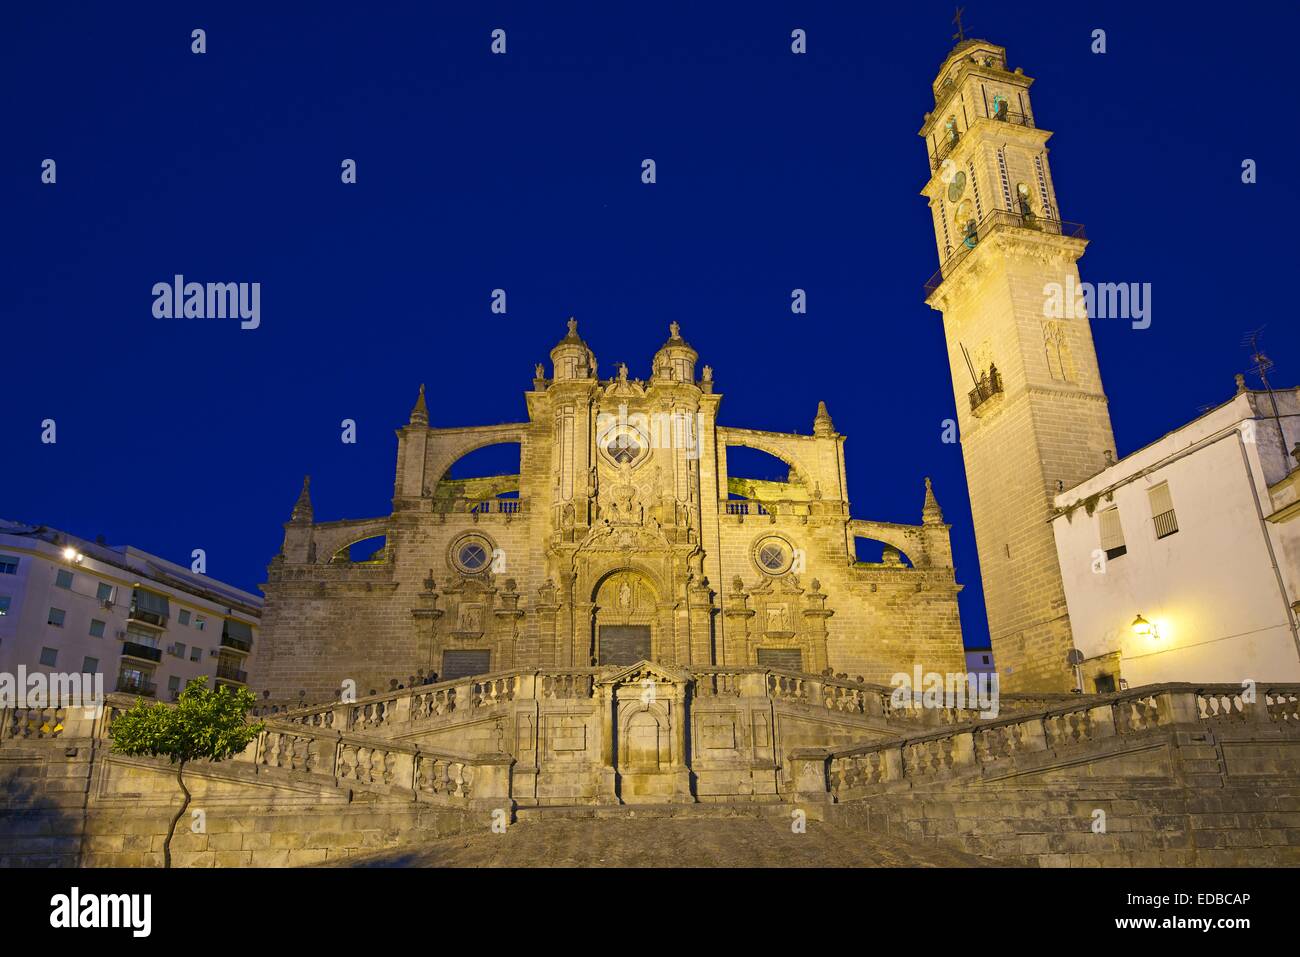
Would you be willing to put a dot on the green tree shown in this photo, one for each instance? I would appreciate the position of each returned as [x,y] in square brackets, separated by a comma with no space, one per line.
[205,724]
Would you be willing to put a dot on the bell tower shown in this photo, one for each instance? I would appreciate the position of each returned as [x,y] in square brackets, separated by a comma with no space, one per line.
[1030,405]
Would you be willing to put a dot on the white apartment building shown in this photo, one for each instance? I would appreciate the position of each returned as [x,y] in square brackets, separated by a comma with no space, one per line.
[1181,561]
[147,625]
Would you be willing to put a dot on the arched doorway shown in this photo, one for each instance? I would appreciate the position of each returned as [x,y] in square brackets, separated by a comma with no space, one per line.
[625,619]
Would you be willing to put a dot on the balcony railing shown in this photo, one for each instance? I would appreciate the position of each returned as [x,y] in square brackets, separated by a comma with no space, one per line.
[133,649]
[744,508]
[502,506]
[1000,219]
[146,617]
[989,385]
[231,672]
[948,144]
[237,644]
[950,140]
[1166,523]
[139,686]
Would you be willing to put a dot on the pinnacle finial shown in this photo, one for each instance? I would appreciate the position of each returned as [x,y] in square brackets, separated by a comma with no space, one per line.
[822,424]
[573,326]
[302,510]
[674,330]
[931,514]
[420,411]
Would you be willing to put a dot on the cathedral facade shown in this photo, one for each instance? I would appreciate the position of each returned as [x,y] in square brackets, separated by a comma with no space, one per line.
[621,538]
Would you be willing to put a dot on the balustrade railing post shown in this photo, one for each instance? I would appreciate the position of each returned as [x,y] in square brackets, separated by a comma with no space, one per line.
[963,749]
[808,770]
[1034,734]
[403,771]
[1102,721]
[1257,710]
[491,782]
[399,709]
[814,692]
[1177,707]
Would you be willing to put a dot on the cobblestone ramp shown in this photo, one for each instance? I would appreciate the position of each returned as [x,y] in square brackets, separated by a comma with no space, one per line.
[671,842]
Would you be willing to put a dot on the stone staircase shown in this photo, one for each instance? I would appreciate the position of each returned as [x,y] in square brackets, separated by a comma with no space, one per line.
[439,763]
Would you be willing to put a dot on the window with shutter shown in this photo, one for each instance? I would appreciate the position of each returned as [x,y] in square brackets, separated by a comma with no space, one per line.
[1162,510]
[1112,533]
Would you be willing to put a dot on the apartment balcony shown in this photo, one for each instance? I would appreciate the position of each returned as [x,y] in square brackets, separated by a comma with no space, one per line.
[140,686]
[145,616]
[133,649]
[229,671]
[239,645]
[994,221]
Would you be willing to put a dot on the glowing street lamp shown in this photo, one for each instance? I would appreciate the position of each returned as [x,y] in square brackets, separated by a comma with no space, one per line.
[1144,629]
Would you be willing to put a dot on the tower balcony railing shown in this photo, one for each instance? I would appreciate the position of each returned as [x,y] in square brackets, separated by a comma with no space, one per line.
[947,146]
[989,385]
[995,220]
[950,141]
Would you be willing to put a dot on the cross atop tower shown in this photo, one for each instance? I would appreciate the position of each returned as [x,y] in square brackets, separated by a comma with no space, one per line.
[961,30]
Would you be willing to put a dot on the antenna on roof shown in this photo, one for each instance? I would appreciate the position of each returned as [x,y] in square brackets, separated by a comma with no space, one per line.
[1262,363]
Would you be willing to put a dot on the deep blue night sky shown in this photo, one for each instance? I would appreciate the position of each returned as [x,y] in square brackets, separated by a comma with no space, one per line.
[522,171]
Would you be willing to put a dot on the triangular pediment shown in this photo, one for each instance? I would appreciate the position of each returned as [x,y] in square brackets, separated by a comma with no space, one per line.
[635,673]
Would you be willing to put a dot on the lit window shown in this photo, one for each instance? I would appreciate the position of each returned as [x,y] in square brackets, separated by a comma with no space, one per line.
[200,622]
[63,579]
[178,649]
[55,617]
[96,628]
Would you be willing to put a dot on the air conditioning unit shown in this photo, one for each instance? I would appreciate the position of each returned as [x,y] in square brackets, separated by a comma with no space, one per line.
[213,652]
[107,602]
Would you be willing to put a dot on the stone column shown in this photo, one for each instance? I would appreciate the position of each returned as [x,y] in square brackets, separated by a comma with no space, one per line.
[737,613]
[815,614]
[700,617]
[546,607]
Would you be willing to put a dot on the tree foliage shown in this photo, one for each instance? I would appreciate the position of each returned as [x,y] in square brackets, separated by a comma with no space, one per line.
[206,723]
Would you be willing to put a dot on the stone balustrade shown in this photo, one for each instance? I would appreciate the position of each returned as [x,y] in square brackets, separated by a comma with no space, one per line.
[850,772]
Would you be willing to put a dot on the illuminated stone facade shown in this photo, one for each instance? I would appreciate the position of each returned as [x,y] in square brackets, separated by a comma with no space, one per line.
[622,537]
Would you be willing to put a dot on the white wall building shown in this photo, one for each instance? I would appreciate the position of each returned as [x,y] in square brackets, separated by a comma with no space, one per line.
[1193,535]
[72,606]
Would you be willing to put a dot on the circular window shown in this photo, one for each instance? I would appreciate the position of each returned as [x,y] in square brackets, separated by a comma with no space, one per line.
[625,445]
[774,556]
[472,555]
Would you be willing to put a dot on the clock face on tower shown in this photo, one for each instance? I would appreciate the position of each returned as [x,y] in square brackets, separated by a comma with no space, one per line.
[956,187]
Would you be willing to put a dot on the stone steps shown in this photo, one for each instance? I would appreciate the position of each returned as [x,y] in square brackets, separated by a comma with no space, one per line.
[634,839]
